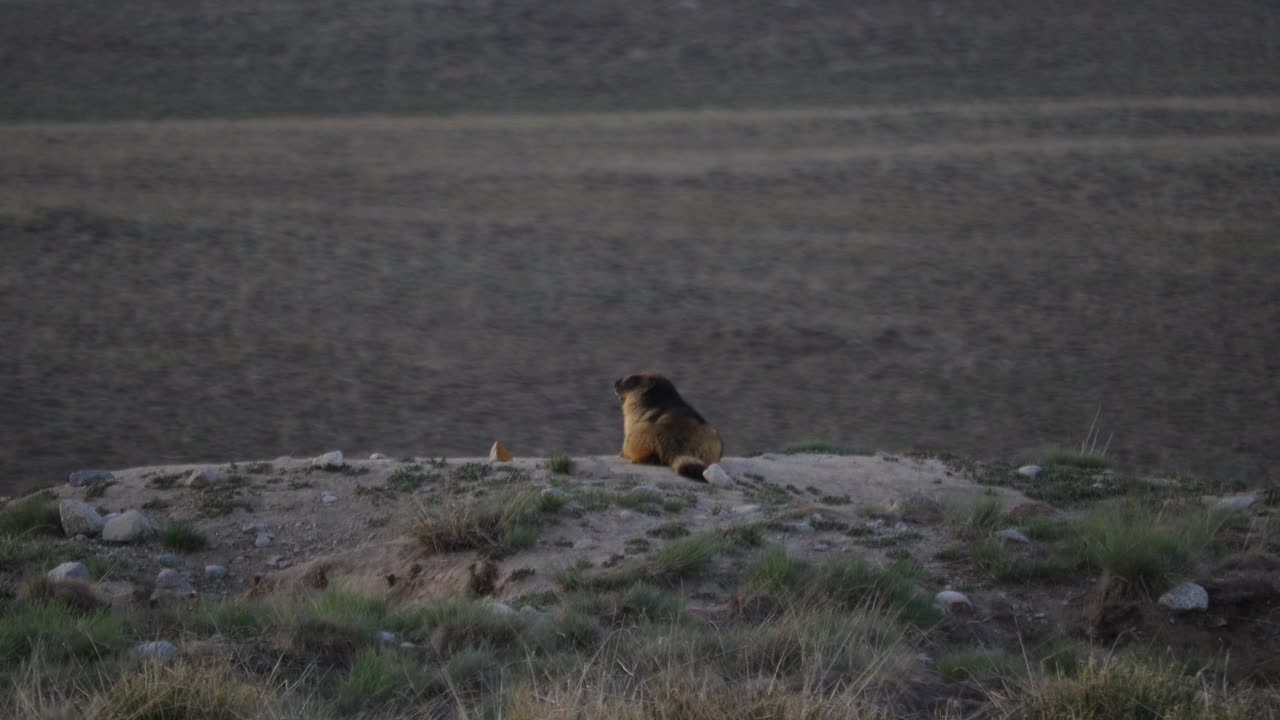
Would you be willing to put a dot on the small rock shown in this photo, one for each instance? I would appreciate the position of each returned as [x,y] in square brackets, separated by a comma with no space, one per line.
[531,613]
[80,478]
[263,540]
[328,497]
[386,636]
[202,477]
[584,544]
[160,650]
[279,561]
[79,518]
[1013,535]
[592,467]
[1029,471]
[924,658]
[803,528]
[407,645]
[377,456]
[332,459]
[1236,502]
[499,453]
[214,572]
[1098,485]
[168,560]
[1187,596]
[170,580]
[254,526]
[901,526]
[68,570]
[126,527]
[745,509]
[715,475]
[952,601]
[501,608]
[555,492]
[821,547]
[877,523]
[625,514]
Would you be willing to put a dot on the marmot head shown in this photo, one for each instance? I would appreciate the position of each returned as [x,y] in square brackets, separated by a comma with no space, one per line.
[644,384]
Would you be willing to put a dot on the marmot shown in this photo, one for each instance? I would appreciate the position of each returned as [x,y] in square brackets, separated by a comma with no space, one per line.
[660,428]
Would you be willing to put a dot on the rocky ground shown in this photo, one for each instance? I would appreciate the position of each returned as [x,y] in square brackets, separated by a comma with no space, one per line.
[993,574]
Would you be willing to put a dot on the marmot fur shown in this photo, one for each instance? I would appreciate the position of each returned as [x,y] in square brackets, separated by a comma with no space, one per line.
[660,428]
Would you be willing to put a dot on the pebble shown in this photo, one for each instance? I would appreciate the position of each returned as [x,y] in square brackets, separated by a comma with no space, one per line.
[953,601]
[377,456]
[499,453]
[625,514]
[168,560]
[554,492]
[1013,535]
[715,475]
[79,518]
[254,526]
[328,497]
[202,477]
[80,478]
[584,544]
[501,608]
[1236,502]
[128,527]
[745,509]
[170,580]
[68,570]
[214,572]
[331,459]
[161,650]
[1187,596]
[803,528]
[386,636]
[263,540]
[821,547]
[1029,471]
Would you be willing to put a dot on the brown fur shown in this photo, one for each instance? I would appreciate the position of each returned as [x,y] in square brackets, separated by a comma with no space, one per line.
[660,428]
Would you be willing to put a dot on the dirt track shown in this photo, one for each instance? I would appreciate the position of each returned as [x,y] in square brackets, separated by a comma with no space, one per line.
[976,278]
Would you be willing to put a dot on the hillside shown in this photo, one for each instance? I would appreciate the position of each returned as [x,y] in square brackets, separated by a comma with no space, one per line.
[800,585]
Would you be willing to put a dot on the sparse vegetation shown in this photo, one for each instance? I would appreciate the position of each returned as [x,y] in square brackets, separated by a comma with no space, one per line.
[494,525]
[183,690]
[668,531]
[685,556]
[181,536]
[1082,461]
[560,464]
[408,479]
[774,571]
[97,489]
[1142,546]
[29,515]
[819,447]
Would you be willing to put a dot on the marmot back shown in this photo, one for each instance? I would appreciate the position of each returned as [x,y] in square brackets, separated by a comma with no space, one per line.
[660,428]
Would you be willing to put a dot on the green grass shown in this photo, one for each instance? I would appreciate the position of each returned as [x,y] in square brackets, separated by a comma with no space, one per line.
[381,677]
[668,531]
[30,515]
[58,629]
[408,479]
[496,526]
[181,536]
[685,557]
[743,536]
[835,500]
[164,482]
[774,571]
[853,582]
[959,665]
[1066,458]
[559,464]
[155,504]
[982,518]
[820,447]
[97,489]
[1144,547]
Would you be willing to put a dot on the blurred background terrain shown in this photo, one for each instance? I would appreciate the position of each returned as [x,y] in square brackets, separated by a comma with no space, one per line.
[240,230]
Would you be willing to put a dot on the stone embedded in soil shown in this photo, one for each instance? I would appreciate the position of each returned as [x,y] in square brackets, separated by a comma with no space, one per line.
[68,570]
[263,540]
[1013,535]
[501,608]
[202,477]
[1187,596]
[130,526]
[953,601]
[386,636]
[80,478]
[803,528]
[214,572]
[499,453]
[715,475]
[160,650]
[377,456]
[171,581]
[254,526]
[1237,502]
[592,467]
[1029,471]
[79,518]
[331,459]
[745,509]
[1031,510]
[168,560]
[328,497]
[584,544]
[554,492]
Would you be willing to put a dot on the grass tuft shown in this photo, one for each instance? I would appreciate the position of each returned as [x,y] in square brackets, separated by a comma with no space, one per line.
[181,536]
[820,447]
[495,526]
[1066,458]
[182,690]
[559,464]
[685,557]
[29,515]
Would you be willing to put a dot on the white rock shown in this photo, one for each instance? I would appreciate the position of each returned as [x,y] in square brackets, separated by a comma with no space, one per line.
[1029,471]
[110,516]
[129,526]
[214,572]
[1236,502]
[715,475]
[160,650]
[170,580]
[263,540]
[202,477]
[79,518]
[332,459]
[584,544]
[328,497]
[386,636]
[501,608]
[745,509]
[68,570]
[377,456]
[952,601]
[1187,596]
[80,478]
[1013,535]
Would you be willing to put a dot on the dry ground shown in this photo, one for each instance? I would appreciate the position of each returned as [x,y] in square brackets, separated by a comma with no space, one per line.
[973,277]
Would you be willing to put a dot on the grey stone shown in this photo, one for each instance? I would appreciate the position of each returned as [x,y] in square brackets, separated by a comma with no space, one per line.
[80,478]
[68,570]
[172,581]
[129,526]
[745,509]
[160,650]
[592,467]
[377,456]
[168,560]
[1029,471]
[716,475]
[1187,596]
[1013,535]
[214,572]
[821,547]
[263,540]
[331,459]
[202,477]
[584,544]
[953,601]
[532,613]
[386,636]
[555,492]
[803,528]
[328,497]
[254,526]
[79,518]
[1237,502]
